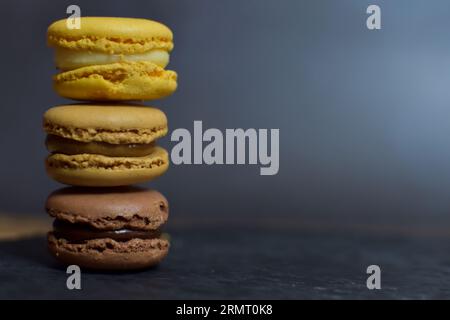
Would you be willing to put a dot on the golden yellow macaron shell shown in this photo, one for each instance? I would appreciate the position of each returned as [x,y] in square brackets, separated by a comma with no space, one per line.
[103,171]
[139,80]
[111,35]
[110,123]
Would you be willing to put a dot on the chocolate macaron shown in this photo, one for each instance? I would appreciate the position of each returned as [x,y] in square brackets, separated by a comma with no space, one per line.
[108,229]
[105,145]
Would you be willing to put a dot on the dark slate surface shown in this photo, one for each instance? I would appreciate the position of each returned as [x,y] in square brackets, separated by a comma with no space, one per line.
[246,264]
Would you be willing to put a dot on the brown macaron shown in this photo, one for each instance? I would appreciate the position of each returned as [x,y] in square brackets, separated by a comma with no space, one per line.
[108,228]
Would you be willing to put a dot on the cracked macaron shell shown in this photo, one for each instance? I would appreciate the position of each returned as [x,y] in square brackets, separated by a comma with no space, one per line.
[114,124]
[111,35]
[110,208]
[94,170]
[125,80]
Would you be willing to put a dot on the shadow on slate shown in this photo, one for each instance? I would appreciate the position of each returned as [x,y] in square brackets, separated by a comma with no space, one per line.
[244,264]
[31,250]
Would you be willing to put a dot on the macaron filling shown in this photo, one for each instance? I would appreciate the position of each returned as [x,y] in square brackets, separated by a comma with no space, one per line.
[78,233]
[56,144]
[66,59]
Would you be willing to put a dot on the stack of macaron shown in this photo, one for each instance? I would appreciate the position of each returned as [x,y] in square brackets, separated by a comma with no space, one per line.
[107,143]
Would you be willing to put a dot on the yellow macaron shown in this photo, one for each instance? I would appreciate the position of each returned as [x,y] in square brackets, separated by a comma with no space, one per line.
[105,145]
[112,59]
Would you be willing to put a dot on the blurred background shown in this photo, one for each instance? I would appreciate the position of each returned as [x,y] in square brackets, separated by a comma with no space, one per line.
[364,116]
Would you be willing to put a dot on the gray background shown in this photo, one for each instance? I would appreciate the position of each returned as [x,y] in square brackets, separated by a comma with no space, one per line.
[364,116]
